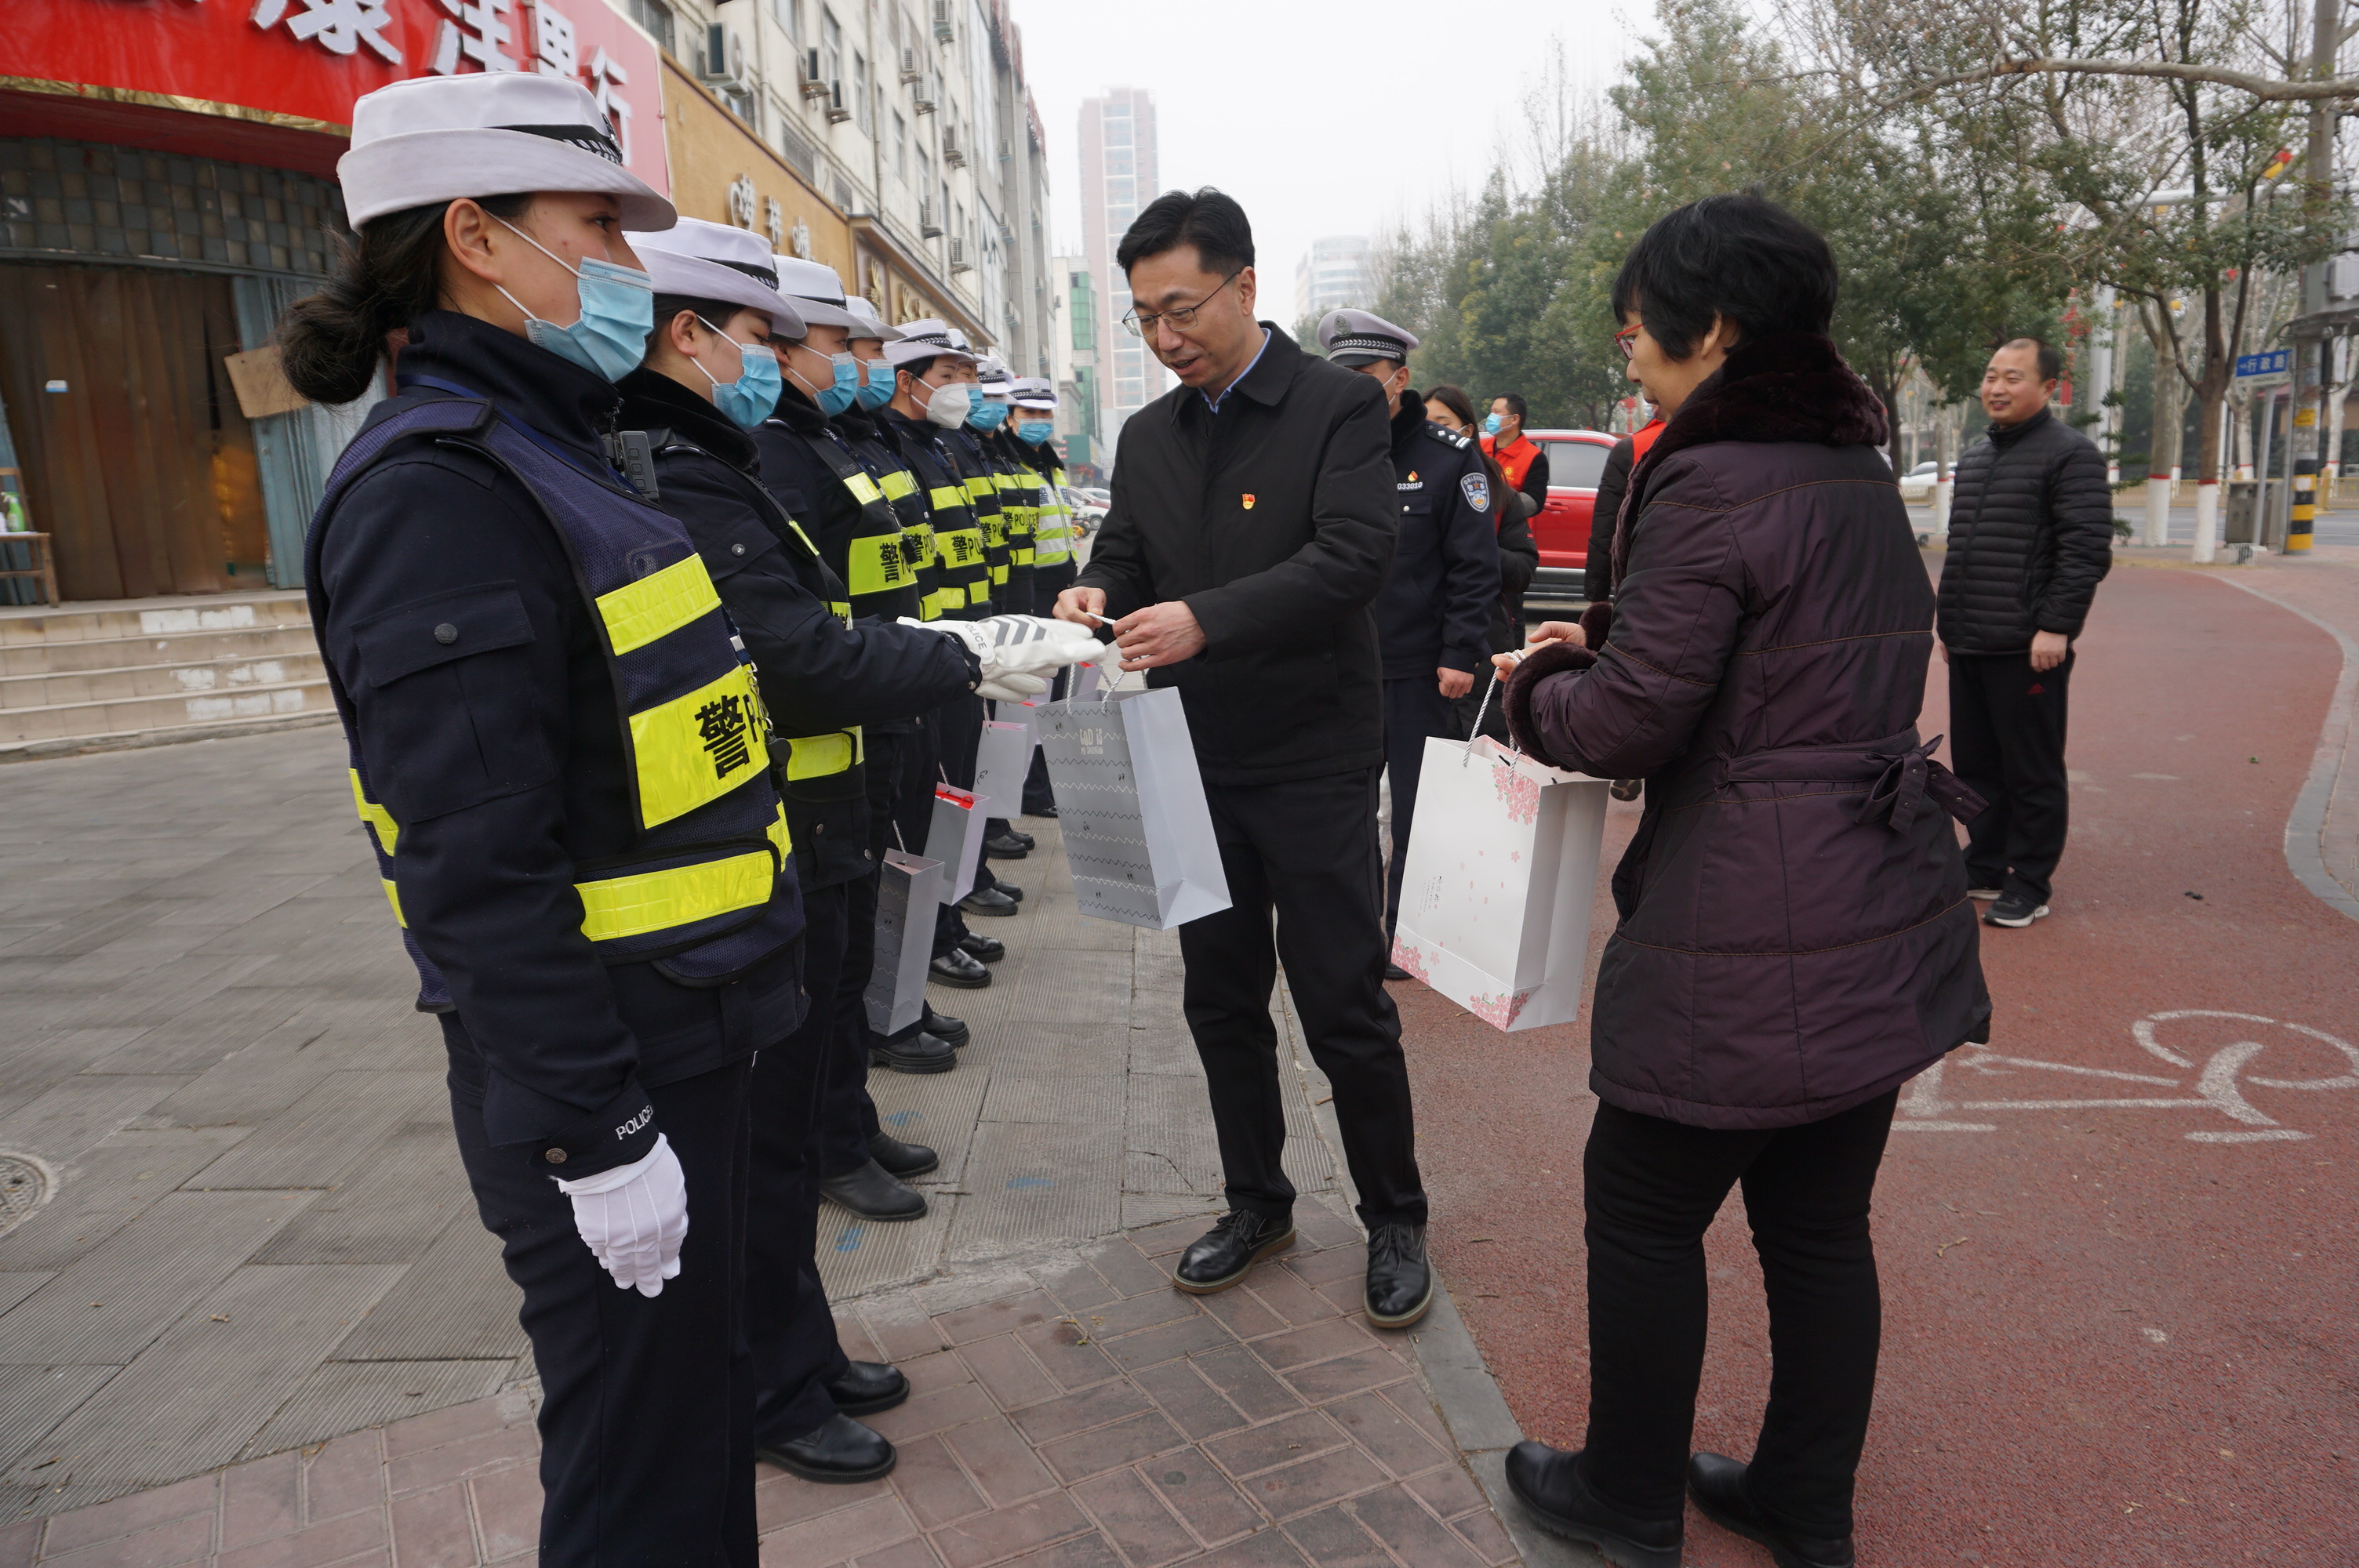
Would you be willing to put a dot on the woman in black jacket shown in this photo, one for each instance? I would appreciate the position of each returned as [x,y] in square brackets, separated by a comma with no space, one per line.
[1519,558]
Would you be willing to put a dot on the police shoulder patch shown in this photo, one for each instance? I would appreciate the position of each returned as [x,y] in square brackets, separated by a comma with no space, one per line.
[1448,438]
[1477,486]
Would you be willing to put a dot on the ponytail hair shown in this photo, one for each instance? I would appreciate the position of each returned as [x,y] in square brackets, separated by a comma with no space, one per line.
[329,343]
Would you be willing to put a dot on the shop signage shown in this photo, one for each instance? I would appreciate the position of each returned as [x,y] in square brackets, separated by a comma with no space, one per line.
[301,63]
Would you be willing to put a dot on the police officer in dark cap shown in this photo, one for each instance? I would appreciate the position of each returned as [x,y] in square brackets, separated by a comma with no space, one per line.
[1434,610]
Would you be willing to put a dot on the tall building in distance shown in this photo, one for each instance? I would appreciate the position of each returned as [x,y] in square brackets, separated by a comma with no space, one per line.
[1119,175]
[1334,274]
[1076,344]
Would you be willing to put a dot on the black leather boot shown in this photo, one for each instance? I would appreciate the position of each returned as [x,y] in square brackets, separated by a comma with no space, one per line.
[1400,1283]
[902,1159]
[958,968]
[871,1192]
[1548,1482]
[839,1451]
[942,1026]
[918,1052]
[1717,1485]
[1005,847]
[988,901]
[985,949]
[1223,1255]
[868,1387]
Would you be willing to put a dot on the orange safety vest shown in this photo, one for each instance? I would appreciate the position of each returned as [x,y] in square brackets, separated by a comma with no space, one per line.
[1515,461]
[1643,438]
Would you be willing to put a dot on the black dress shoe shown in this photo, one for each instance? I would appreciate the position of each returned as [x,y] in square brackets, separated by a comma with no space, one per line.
[1014,894]
[942,1026]
[918,1052]
[1549,1483]
[868,1387]
[1005,847]
[958,968]
[839,1451]
[1717,1485]
[1048,811]
[1394,972]
[1223,1255]
[902,1159]
[871,1192]
[988,901]
[1400,1284]
[989,950]
[1025,839]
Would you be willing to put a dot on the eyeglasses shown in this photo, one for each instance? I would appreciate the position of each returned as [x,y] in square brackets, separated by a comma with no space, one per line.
[1138,326]
[1626,340]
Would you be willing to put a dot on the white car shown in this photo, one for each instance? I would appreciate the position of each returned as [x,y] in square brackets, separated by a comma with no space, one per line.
[1916,484]
[1087,509]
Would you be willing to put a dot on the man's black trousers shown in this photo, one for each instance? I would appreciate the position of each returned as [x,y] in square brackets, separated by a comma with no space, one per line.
[788,1327]
[1651,1188]
[646,1414]
[2006,743]
[1307,850]
[1414,709]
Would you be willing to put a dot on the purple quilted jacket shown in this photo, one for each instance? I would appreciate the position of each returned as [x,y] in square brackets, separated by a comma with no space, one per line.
[1795,937]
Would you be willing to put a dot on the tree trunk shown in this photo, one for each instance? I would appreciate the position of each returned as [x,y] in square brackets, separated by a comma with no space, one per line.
[2162,444]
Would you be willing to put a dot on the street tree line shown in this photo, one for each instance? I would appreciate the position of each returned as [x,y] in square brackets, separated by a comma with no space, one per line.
[1982,171]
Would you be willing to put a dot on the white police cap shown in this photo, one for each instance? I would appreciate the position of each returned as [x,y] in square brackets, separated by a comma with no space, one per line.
[992,371]
[1034,392]
[717,261]
[1361,337]
[925,339]
[871,325]
[816,292]
[436,138]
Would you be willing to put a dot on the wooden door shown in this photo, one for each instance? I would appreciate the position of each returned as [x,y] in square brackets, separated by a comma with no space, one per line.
[141,466]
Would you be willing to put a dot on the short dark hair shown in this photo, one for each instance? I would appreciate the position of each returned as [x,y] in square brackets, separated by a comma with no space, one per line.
[1208,220]
[1455,398]
[1740,258]
[2051,360]
[1516,405]
[714,313]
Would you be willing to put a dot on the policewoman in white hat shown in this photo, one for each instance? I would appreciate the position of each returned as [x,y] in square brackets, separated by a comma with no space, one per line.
[1031,424]
[710,380]
[558,759]
[934,392]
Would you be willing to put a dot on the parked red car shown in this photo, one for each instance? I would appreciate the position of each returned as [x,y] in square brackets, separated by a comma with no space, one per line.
[1576,462]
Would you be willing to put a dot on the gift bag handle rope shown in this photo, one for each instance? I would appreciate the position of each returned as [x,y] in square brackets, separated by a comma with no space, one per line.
[1474,730]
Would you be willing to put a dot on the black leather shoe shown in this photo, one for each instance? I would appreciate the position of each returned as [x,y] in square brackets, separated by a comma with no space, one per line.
[942,1026]
[1223,1255]
[988,901]
[1048,811]
[1400,1285]
[1549,1483]
[902,1159]
[958,968]
[871,1192]
[1023,837]
[1005,847]
[868,1387]
[839,1451]
[1717,1485]
[989,950]
[1394,972]
[1014,894]
[918,1052]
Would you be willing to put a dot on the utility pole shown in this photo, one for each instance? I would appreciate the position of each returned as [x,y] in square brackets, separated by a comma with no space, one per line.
[2309,393]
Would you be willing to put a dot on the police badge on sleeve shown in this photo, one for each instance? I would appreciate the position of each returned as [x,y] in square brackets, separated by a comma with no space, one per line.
[1477,486]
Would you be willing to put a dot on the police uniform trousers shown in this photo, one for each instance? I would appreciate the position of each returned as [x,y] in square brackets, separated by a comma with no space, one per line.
[646,1414]
[1414,709]
[960,738]
[847,1116]
[789,1328]
[1306,849]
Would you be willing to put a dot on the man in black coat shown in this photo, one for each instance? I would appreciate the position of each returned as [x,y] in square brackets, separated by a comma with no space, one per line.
[1252,526]
[2031,534]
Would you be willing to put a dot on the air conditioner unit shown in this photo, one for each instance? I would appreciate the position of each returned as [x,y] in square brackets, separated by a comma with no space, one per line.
[958,257]
[814,85]
[721,62]
[912,69]
[926,225]
[836,113]
[952,154]
[945,21]
[928,93]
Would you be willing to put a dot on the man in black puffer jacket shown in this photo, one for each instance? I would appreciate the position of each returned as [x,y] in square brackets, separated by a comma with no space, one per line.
[2030,538]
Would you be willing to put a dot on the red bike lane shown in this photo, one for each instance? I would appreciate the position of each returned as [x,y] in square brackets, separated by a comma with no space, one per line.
[2116,1243]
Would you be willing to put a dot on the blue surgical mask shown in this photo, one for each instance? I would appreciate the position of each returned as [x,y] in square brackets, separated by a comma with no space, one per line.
[876,387]
[1491,425]
[747,400]
[1035,431]
[987,416]
[618,311]
[843,391]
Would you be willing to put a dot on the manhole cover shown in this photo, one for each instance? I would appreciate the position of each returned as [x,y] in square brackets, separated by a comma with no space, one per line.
[24,1187]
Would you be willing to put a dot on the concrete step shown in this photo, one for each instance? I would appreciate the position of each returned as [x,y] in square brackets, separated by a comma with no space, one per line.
[219,676]
[182,615]
[128,720]
[275,640]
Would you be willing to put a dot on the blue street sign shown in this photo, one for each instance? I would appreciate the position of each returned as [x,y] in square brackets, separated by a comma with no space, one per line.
[2271,362]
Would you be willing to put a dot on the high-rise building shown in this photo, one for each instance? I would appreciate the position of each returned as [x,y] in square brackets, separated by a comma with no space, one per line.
[1335,273]
[1119,175]
[1077,372]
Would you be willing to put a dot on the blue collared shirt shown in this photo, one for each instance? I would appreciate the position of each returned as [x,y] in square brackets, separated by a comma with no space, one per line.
[1214,403]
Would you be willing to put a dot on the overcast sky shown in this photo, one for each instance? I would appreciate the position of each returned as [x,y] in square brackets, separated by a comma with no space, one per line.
[1322,116]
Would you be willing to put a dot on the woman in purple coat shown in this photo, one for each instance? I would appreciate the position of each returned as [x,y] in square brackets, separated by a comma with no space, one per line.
[1794,941]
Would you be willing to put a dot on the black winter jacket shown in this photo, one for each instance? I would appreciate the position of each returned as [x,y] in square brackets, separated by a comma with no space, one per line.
[1434,611]
[2031,534]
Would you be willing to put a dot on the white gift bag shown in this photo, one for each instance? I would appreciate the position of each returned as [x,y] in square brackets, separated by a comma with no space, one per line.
[1002,760]
[906,901]
[1137,832]
[1502,874]
[954,838]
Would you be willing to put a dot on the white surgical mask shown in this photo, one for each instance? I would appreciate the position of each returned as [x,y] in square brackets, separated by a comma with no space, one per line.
[947,406]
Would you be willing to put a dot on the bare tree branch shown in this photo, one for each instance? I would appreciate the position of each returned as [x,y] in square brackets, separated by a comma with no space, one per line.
[2269,89]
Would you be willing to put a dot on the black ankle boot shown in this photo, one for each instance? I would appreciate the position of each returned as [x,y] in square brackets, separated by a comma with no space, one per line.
[839,1451]
[1717,1485]
[1549,1483]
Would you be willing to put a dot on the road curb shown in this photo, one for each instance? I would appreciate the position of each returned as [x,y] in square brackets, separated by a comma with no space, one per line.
[2306,823]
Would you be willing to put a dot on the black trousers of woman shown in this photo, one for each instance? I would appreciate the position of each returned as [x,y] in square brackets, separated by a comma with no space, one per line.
[1652,1188]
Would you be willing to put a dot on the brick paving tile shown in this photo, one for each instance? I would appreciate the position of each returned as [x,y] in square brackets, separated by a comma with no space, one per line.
[1281,1442]
[1316,1342]
[1414,1403]
[1327,1380]
[932,1374]
[1486,1535]
[1244,1313]
[1250,1385]
[1313,1483]
[1069,1355]
[1126,1269]
[1325,1229]
[1194,1487]
[932,1486]
[1398,1520]
[1194,1406]
[345,1476]
[128,1515]
[903,1338]
[455,1424]
[1171,1236]
[508,1511]
[858,1344]
[1124,1442]
[431,1467]
[997,1317]
[1001,1463]
[781,1499]
[1289,1297]
[1153,1346]
[336,1542]
[987,1538]
[1078,1412]
[1333,1539]
[1081,1551]
[1331,1263]
[1372,1422]
[432,1529]
[1345,1295]
[1076,1285]
[909,1554]
[1007,1372]
[871,1526]
[940,1412]
[1449,1492]
[262,1500]
[1135,1518]
[1128,1316]
[183,1540]
[18,1542]
[1270,1549]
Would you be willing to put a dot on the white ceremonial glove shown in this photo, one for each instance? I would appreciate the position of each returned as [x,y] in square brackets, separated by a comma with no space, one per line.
[1004,679]
[1037,645]
[634,1219]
